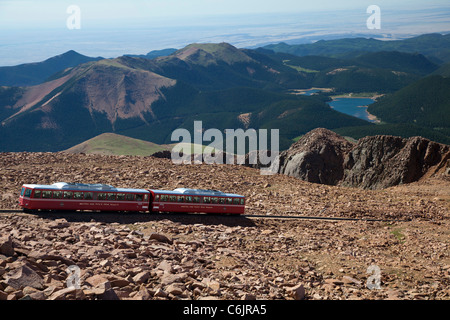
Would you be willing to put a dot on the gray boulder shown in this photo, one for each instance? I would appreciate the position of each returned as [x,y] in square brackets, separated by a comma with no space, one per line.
[316,157]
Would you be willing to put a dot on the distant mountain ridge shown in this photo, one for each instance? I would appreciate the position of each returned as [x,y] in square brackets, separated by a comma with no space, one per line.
[431,45]
[154,53]
[217,83]
[147,99]
[425,102]
[383,72]
[29,74]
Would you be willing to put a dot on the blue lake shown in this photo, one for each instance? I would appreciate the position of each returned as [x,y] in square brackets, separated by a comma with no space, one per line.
[356,107]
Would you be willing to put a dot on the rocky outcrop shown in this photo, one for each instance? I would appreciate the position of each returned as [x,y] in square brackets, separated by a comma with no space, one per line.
[316,157]
[376,162]
[383,161]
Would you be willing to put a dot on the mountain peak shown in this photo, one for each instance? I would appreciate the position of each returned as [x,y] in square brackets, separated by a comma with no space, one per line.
[71,54]
[212,53]
[35,73]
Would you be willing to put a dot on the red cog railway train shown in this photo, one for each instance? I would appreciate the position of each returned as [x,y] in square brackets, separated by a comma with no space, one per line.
[101,197]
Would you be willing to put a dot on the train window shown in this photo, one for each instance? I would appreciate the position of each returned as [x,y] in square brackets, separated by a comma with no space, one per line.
[111,196]
[188,199]
[120,196]
[164,197]
[68,194]
[156,197]
[27,193]
[221,200]
[180,198]
[37,193]
[206,199]
[214,200]
[101,196]
[78,195]
[139,197]
[229,200]
[129,197]
[242,200]
[46,194]
[57,194]
[172,198]
[145,197]
[88,196]
[235,200]
[22,192]
[196,199]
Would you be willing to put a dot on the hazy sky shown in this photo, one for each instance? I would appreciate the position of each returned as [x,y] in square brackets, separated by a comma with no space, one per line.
[33,30]
[51,13]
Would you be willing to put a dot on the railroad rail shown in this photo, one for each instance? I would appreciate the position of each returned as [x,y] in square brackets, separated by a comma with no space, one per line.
[247,216]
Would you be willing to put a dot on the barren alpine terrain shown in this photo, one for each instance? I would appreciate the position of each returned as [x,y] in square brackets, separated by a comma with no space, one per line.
[187,256]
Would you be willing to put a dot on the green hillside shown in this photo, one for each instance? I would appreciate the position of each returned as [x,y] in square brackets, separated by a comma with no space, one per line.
[382,72]
[424,103]
[359,79]
[114,144]
[292,115]
[413,63]
[444,70]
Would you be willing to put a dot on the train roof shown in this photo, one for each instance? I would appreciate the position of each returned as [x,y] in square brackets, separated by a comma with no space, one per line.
[107,187]
[84,187]
[197,192]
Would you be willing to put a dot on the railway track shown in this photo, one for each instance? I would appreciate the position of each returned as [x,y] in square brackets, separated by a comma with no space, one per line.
[247,216]
[300,217]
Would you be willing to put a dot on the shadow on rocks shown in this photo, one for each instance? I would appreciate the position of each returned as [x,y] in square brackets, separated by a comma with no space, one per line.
[133,217]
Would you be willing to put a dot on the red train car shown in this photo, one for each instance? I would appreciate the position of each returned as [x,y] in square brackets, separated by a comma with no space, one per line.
[197,200]
[80,196]
[101,197]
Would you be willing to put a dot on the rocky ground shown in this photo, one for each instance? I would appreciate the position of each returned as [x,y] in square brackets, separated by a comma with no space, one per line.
[144,256]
